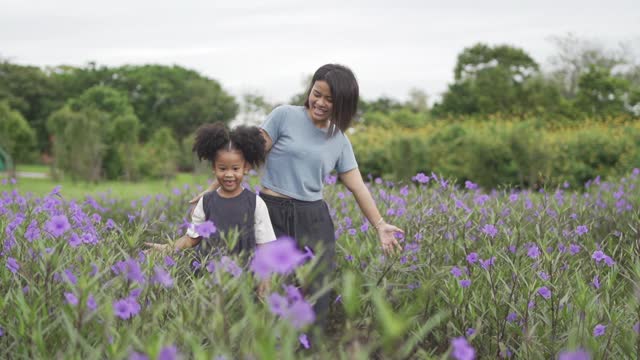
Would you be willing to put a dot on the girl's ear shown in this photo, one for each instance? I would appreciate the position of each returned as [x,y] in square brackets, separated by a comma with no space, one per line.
[247,167]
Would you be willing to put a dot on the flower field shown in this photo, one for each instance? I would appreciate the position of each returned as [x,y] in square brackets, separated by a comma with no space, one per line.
[550,274]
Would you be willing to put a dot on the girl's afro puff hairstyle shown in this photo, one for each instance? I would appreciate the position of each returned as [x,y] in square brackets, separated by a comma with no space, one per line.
[249,140]
[211,138]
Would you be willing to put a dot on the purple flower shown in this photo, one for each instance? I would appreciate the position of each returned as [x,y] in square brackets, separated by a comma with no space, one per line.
[574,355]
[490,230]
[461,349]
[470,331]
[599,330]
[71,278]
[456,272]
[33,232]
[470,185]
[512,317]
[421,178]
[71,299]
[280,256]
[472,258]
[581,230]
[126,308]
[168,261]
[133,271]
[162,277]
[636,327]
[74,240]
[121,308]
[304,340]
[58,225]
[91,303]
[278,304]
[465,283]
[598,256]
[487,263]
[12,265]
[596,282]
[574,249]
[168,353]
[533,252]
[293,293]
[138,356]
[300,314]
[543,275]
[205,229]
[1,331]
[544,292]
[609,261]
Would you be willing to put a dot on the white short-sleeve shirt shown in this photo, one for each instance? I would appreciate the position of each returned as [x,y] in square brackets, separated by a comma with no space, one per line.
[263,229]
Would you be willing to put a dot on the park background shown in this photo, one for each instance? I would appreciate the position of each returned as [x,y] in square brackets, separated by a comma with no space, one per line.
[508,133]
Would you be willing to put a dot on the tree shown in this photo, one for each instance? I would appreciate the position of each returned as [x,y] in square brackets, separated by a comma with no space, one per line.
[30,91]
[418,100]
[16,136]
[78,143]
[160,155]
[499,79]
[111,130]
[253,108]
[575,56]
[601,94]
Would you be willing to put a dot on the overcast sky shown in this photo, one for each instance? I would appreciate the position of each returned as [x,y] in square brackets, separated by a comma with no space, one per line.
[270,46]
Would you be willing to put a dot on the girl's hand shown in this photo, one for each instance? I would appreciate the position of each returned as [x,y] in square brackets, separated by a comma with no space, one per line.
[386,233]
[263,288]
[159,248]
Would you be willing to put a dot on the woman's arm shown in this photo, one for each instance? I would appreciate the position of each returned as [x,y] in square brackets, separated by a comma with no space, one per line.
[386,232]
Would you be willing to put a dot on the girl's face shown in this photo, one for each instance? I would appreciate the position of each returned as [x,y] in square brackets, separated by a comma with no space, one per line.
[229,168]
[320,102]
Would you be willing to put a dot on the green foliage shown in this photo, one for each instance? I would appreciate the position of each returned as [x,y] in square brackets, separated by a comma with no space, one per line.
[95,134]
[16,136]
[495,152]
[79,145]
[32,92]
[404,117]
[159,156]
[408,305]
[601,94]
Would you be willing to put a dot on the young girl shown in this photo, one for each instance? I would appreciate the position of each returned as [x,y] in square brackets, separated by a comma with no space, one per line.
[231,208]
[305,143]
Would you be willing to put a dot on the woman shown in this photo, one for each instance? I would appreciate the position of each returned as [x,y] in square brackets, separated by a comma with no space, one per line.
[304,144]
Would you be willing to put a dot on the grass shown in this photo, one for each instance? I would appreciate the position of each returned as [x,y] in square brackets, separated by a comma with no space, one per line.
[119,189]
[34,168]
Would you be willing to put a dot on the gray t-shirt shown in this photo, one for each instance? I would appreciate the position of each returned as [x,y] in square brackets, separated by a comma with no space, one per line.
[302,155]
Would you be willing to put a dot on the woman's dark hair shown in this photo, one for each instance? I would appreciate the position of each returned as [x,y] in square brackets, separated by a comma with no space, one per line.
[344,93]
[211,138]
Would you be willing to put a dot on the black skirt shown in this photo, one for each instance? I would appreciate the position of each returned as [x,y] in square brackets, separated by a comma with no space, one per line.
[310,224]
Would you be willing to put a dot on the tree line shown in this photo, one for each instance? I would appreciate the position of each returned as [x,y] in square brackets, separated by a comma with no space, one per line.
[132,122]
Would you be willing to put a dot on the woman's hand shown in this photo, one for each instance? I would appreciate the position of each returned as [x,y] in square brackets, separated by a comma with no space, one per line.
[212,187]
[386,233]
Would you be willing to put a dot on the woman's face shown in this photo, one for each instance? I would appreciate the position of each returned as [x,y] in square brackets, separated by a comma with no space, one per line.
[320,102]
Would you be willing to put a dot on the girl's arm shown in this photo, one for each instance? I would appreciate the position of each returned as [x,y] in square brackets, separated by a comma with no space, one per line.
[184,242]
[386,232]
